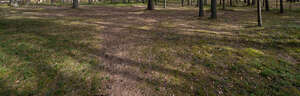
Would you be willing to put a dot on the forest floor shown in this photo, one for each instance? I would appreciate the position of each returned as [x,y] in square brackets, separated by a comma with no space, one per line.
[129,51]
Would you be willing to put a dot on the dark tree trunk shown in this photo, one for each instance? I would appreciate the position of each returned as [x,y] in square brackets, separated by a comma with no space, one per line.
[213,9]
[281,6]
[150,5]
[90,1]
[248,3]
[220,2]
[201,9]
[259,17]
[182,3]
[205,2]
[230,1]
[253,2]
[223,5]
[75,4]
[267,5]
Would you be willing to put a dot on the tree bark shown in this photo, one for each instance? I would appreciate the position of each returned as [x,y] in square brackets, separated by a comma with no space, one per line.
[213,9]
[201,9]
[230,1]
[75,4]
[267,5]
[165,3]
[281,6]
[223,5]
[253,2]
[259,17]
[150,5]
[248,3]
[182,3]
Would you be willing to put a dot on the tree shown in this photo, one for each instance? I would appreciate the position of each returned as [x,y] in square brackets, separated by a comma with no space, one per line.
[253,2]
[259,17]
[213,9]
[281,6]
[75,4]
[182,3]
[267,5]
[223,5]
[165,3]
[230,1]
[248,3]
[150,5]
[201,9]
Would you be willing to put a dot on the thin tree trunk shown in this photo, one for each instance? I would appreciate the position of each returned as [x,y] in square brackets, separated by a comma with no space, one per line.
[259,17]
[223,5]
[182,3]
[281,6]
[165,3]
[230,1]
[201,9]
[213,9]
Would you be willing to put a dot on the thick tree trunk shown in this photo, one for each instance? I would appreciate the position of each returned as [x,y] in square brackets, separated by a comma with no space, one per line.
[201,9]
[182,3]
[281,6]
[248,3]
[150,5]
[213,9]
[75,4]
[253,2]
[259,17]
[230,1]
[267,5]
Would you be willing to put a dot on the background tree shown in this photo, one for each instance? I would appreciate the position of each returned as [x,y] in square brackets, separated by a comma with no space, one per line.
[213,9]
[259,17]
[267,5]
[223,5]
[281,6]
[165,3]
[75,4]
[201,9]
[150,5]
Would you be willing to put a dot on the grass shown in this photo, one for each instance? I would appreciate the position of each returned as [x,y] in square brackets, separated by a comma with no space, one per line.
[167,51]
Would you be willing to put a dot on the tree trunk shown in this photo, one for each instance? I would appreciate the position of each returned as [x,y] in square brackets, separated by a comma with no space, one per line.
[281,6]
[150,5]
[205,2]
[182,3]
[223,5]
[267,5]
[253,2]
[165,3]
[259,18]
[248,3]
[213,9]
[75,4]
[230,1]
[201,9]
